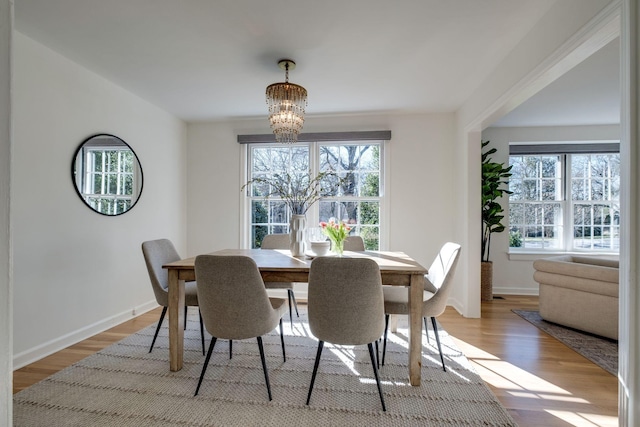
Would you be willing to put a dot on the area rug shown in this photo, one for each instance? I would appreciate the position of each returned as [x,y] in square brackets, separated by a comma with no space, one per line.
[601,351]
[124,385]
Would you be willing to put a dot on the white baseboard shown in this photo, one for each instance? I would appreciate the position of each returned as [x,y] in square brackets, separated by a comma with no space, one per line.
[36,353]
[497,290]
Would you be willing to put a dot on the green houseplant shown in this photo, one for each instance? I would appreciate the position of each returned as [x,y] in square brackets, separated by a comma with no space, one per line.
[495,179]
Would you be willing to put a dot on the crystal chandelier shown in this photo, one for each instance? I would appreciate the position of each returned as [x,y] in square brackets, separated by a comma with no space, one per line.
[286,102]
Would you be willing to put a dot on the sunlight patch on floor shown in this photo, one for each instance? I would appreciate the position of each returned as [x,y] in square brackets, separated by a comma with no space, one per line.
[519,383]
[471,351]
[579,419]
[523,379]
[532,395]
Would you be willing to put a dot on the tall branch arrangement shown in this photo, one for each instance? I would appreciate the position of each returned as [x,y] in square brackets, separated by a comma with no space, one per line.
[494,177]
[299,192]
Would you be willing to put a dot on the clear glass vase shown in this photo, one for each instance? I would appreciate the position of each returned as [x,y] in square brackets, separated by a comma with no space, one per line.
[337,247]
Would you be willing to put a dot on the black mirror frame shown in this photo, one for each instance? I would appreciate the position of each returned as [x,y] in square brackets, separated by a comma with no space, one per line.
[73,173]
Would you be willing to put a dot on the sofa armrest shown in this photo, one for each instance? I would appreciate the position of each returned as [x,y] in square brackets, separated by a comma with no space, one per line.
[598,269]
[577,283]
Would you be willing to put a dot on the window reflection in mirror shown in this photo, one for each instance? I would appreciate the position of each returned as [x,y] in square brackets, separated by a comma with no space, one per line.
[107,174]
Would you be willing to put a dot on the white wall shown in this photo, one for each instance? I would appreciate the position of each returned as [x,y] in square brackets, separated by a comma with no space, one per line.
[6,313]
[77,272]
[568,33]
[515,275]
[421,169]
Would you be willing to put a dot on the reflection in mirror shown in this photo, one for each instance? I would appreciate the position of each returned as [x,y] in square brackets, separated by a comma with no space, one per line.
[107,174]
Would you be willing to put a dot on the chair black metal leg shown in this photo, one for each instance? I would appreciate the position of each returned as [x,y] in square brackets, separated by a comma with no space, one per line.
[315,369]
[295,304]
[201,330]
[185,317]
[164,311]
[375,373]
[384,345]
[284,356]
[264,366]
[230,349]
[435,329]
[206,362]
[426,329]
[289,293]
[377,354]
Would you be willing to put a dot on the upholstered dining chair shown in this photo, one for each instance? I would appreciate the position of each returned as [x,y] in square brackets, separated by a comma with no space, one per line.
[235,305]
[345,307]
[354,243]
[156,254]
[280,241]
[434,300]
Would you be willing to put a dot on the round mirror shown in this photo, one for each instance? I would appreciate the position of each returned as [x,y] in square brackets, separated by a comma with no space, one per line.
[107,174]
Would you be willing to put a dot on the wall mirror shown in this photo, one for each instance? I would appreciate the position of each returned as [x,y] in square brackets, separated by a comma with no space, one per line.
[107,174]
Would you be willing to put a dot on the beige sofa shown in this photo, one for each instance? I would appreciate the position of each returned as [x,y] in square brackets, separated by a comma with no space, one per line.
[580,292]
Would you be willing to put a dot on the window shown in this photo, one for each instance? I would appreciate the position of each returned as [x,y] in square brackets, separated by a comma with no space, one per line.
[358,201]
[565,202]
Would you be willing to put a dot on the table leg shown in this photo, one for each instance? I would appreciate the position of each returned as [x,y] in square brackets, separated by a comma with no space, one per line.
[176,320]
[415,329]
[393,323]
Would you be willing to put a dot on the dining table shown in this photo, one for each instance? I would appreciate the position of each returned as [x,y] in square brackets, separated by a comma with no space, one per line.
[278,265]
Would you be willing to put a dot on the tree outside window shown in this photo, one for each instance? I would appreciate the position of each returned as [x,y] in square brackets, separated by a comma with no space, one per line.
[356,201]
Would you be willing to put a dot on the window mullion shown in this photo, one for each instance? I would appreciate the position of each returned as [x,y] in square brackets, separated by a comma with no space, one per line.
[567,205]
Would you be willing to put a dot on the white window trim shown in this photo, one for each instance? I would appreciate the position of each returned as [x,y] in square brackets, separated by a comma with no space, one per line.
[312,214]
[524,254]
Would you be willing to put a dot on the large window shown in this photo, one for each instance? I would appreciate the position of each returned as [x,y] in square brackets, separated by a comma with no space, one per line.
[565,202]
[358,201]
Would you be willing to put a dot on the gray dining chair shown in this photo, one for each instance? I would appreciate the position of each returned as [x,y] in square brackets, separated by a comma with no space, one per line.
[280,241]
[345,307]
[235,305]
[434,301]
[157,253]
[354,243]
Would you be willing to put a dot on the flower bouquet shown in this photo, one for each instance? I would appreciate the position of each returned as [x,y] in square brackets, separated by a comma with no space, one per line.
[337,232]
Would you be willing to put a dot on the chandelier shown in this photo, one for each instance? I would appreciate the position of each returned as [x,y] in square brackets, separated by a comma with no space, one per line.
[286,102]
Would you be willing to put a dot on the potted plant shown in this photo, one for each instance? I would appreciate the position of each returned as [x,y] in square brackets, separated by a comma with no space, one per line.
[298,192]
[495,176]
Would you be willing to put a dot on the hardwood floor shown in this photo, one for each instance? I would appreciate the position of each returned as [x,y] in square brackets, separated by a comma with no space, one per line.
[539,380]
[37,371]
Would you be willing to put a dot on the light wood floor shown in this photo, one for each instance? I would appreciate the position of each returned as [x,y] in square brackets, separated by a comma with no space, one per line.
[540,381]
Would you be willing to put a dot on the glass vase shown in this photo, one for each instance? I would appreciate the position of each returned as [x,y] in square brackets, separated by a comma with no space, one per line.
[337,247]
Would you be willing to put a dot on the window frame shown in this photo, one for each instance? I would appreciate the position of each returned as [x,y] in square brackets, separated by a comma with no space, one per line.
[314,164]
[567,204]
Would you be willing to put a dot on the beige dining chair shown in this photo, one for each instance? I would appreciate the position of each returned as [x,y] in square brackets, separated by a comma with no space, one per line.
[434,299]
[354,243]
[280,241]
[235,305]
[157,253]
[345,306]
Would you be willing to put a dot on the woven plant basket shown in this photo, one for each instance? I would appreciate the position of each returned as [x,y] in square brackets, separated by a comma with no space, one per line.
[486,280]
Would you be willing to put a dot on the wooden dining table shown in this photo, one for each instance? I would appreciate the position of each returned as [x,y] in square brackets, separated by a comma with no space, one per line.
[396,268]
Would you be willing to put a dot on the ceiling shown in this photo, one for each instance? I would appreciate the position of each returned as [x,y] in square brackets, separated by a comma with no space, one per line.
[212,60]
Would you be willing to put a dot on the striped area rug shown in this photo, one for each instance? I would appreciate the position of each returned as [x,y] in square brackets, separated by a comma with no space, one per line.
[124,385]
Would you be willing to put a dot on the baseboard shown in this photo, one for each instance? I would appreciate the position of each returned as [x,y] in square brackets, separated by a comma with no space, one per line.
[43,350]
[497,290]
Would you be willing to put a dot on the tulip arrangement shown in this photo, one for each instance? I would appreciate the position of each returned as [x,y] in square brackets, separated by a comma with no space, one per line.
[337,232]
